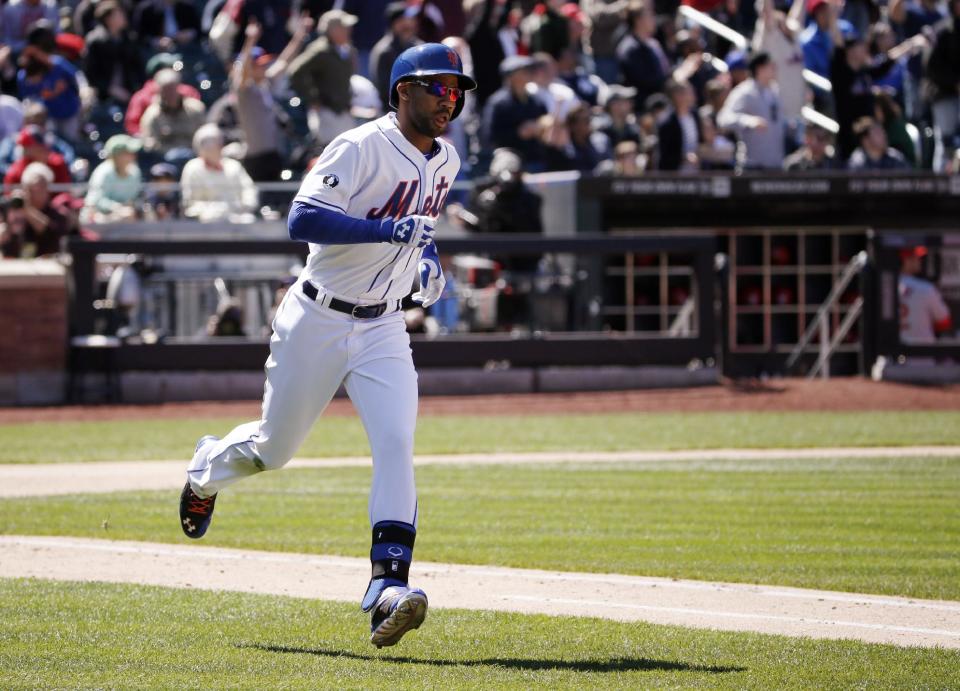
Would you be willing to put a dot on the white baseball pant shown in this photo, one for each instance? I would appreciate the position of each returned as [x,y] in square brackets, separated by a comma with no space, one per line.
[313,350]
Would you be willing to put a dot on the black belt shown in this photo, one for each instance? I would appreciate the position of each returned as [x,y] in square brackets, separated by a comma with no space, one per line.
[355,311]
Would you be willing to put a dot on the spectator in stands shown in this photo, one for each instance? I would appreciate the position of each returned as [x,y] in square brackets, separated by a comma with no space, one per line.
[167,24]
[321,75]
[585,85]
[627,160]
[11,115]
[716,151]
[8,68]
[880,39]
[923,313]
[83,19]
[577,146]
[113,57]
[34,113]
[874,152]
[557,97]
[503,204]
[607,26]
[13,223]
[43,226]
[170,121]
[510,118]
[852,78]
[115,185]
[656,110]
[754,112]
[817,152]
[371,25]
[258,116]
[715,95]
[51,79]
[486,20]
[577,23]
[693,66]
[910,18]
[778,34]
[643,63]
[402,34]
[163,198]
[17,16]
[32,141]
[817,39]
[887,112]
[548,28]
[621,124]
[737,69]
[215,187]
[142,99]
[943,87]
[679,135]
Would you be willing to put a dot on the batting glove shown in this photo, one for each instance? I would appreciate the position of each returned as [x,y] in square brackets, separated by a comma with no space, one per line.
[431,277]
[416,231]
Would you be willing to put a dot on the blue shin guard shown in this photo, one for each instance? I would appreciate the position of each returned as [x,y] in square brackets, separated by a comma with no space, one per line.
[390,556]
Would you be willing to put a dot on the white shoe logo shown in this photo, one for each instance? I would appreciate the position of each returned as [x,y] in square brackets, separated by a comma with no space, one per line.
[190,526]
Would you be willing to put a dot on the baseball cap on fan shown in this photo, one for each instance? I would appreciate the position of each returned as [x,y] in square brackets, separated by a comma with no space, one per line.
[31,136]
[260,57]
[332,17]
[919,251]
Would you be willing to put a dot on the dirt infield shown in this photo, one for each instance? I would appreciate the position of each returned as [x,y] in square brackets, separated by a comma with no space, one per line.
[726,606]
[852,394]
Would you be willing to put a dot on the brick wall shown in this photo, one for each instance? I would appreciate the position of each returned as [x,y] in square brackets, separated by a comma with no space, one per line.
[33,330]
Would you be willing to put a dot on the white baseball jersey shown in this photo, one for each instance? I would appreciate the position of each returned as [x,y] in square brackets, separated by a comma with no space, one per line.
[921,308]
[374,172]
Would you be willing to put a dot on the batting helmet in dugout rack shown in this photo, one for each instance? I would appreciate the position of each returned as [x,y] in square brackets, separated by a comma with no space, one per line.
[425,60]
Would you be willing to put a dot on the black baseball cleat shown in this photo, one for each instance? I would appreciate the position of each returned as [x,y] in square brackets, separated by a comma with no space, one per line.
[195,512]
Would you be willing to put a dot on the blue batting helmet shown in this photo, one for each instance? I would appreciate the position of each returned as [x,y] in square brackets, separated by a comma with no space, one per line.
[428,59]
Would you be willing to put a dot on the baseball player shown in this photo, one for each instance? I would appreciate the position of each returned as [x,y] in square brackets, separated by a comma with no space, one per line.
[923,313]
[368,209]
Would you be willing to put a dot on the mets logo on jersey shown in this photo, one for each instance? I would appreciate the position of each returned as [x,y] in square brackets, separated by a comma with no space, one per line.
[330,181]
[401,200]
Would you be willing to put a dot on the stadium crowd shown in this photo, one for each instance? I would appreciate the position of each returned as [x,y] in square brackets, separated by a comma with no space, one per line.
[220,95]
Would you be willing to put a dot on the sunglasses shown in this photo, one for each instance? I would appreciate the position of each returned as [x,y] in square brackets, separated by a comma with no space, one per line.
[440,90]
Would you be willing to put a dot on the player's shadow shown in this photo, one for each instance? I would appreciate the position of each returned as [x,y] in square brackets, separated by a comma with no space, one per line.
[617,664]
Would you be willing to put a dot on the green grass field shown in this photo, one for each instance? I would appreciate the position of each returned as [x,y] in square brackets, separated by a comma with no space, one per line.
[887,526]
[69,635]
[343,436]
[881,526]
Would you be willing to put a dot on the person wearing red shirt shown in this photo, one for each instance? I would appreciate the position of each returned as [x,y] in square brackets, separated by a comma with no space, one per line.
[32,141]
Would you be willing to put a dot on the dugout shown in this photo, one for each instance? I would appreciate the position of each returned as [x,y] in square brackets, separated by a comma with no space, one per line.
[786,239]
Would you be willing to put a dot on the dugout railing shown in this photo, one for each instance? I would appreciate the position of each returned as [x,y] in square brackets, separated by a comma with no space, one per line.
[592,343]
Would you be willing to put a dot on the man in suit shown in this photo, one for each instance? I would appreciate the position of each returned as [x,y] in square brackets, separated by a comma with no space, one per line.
[679,135]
